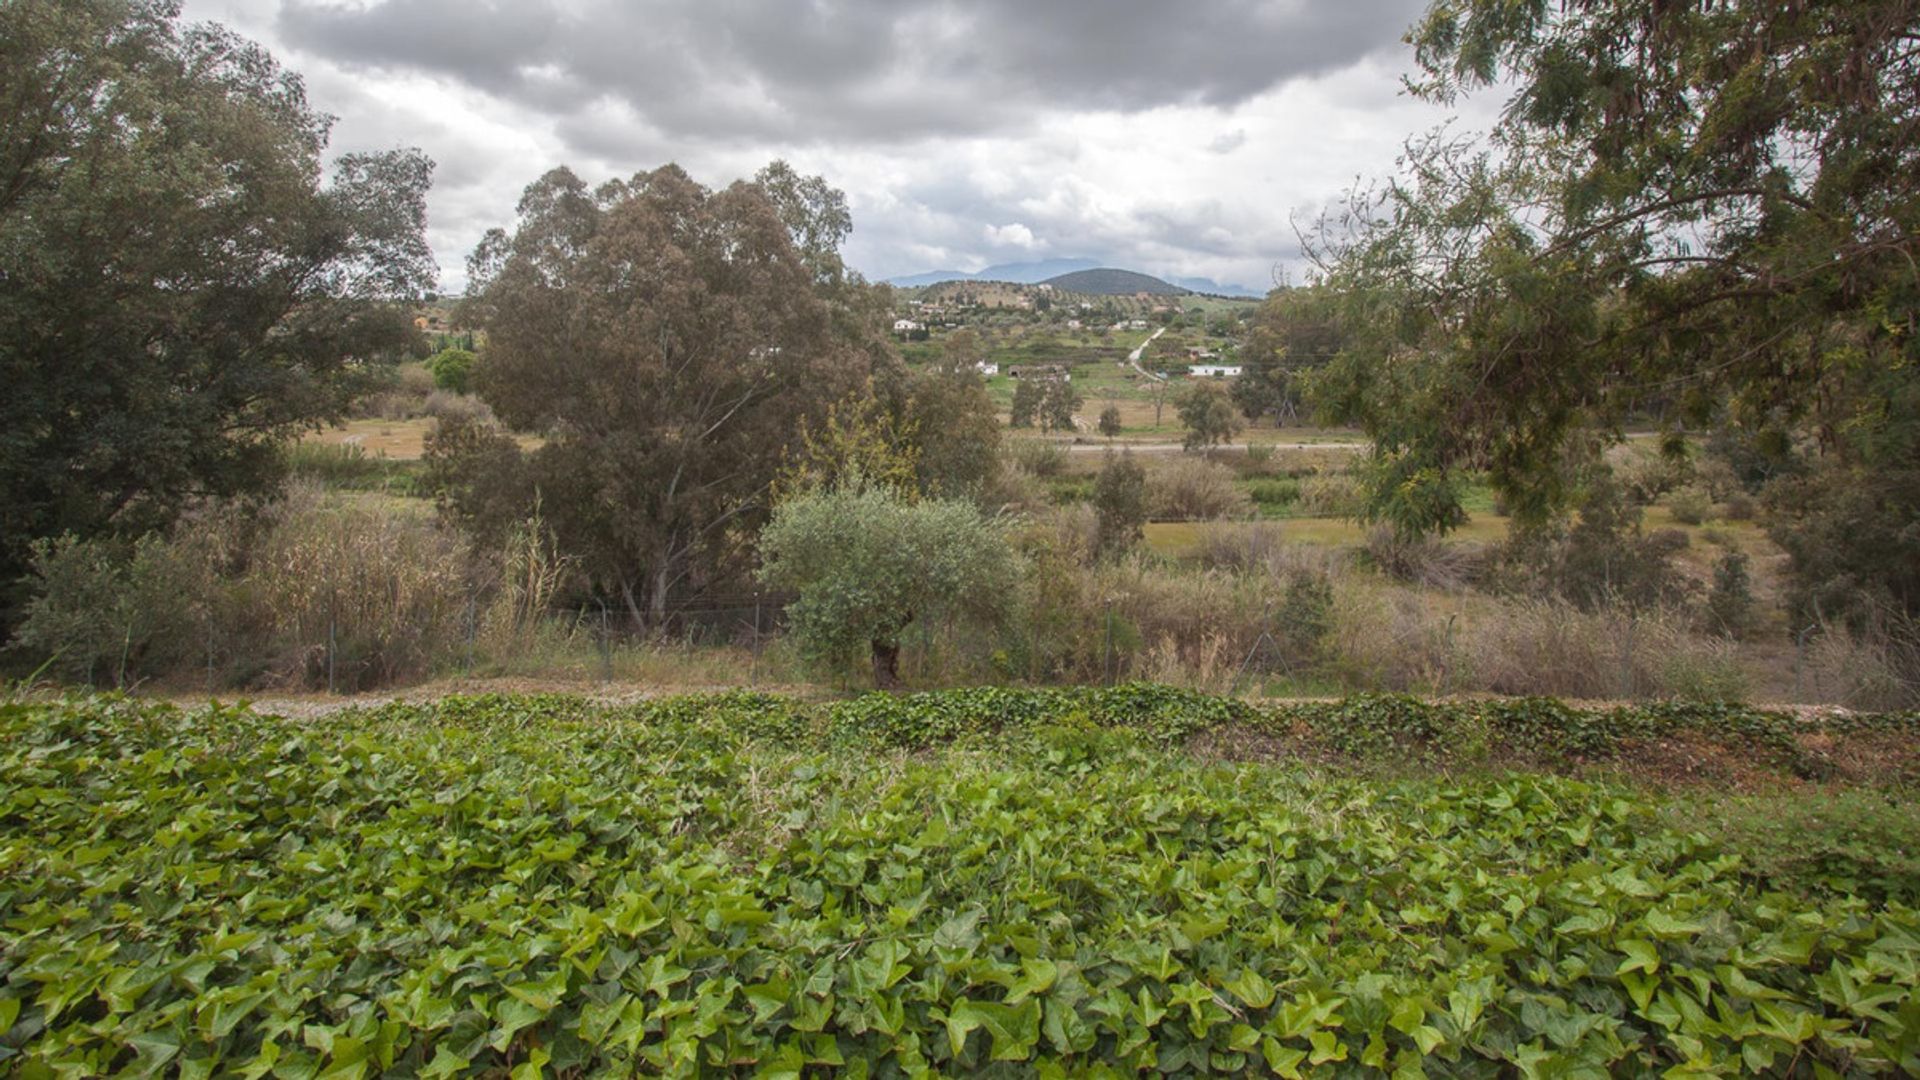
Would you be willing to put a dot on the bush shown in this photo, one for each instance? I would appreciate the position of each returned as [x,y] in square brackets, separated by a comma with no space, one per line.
[1690,506]
[1603,560]
[866,564]
[452,370]
[1252,548]
[1423,561]
[1120,499]
[1730,605]
[1041,457]
[257,603]
[107,610]
[400,393]
[1330,494]
[1195,489]
[1273,493]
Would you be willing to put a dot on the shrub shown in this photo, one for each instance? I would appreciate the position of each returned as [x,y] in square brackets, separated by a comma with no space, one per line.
[1195,489]
[866,563]
[333,464]
[1120,500]
[399,393]
[1041,457]
[1247,549]
[320,584]
[452,370]
[110,610]
[1110,421]
[1422,561]
[1306,617]
[1690,506]
[1273,493]
[1330,494]
[1730,605]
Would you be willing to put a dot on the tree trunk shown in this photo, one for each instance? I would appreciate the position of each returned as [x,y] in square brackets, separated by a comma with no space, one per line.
[657,600]
[886,666]
[633,605]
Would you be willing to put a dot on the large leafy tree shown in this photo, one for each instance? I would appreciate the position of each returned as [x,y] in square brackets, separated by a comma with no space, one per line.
[1705,213]
[180,285]
[668,343]
[1295,332]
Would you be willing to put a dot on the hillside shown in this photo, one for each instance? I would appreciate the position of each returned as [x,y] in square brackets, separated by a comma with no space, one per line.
[1107,281]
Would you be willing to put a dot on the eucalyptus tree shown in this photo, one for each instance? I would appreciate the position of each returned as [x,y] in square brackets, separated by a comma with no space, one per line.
[667,343]
[1707,214]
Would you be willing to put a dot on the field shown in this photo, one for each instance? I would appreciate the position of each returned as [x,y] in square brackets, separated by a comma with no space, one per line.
[984,881]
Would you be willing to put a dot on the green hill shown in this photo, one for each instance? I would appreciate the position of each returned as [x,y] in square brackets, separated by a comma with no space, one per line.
[1107,281]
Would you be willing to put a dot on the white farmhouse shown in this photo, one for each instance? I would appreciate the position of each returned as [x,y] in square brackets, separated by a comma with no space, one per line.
[987,368]
[906,326]
[1214,371]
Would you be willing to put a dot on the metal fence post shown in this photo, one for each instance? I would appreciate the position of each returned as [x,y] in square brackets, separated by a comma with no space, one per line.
[1107,663]
[753,673]
[332,642]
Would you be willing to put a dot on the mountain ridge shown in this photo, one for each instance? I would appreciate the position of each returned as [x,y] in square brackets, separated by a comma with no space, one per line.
[1044,271]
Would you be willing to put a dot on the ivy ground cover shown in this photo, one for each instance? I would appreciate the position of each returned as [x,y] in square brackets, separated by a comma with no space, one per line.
[741,884]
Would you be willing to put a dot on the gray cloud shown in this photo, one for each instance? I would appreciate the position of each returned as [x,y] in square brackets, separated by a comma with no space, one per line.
[803,71]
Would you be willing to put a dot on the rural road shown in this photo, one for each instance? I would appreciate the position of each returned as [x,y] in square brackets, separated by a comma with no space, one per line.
[1134,356]
[1175,448]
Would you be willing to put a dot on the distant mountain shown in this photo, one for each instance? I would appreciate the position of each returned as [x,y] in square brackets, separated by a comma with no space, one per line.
[1033,273]
[931,277]
[1107,281]
[1021,273]
[1050,270]
[1214,288]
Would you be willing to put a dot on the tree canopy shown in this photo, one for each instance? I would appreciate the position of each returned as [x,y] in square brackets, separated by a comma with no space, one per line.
[181,286]
[867,563]
[668,343]
[1705,215]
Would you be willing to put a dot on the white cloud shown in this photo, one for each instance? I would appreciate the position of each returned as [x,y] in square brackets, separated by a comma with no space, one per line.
[1131,171]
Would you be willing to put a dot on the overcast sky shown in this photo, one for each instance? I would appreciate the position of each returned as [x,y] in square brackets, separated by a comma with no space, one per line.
[1176,139]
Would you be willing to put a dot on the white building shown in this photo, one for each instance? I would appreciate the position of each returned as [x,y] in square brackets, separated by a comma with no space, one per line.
[1214,371]
[987,368]
[906,326]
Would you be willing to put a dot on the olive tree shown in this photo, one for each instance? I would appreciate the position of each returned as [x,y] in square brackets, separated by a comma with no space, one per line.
[866,563]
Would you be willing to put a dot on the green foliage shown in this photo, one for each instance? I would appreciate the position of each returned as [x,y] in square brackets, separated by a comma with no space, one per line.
[1730,604]
[1691,212]
[1110,421]
[348,466]
[954,429]
[452,369]
[1027,394]
[866,563]
[484,885]
[1602,559]
[183,286]
[1295,333]
[1208,415]
[106,610]
[1058,402]
[1305,617]
[666,380]
[1120,500]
